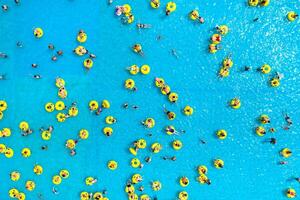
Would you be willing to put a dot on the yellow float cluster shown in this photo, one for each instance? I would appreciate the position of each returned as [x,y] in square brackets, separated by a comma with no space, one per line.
[95,196]
[63,174]
[166,90]
[262,3]
[202,172]
[7,151]
[62,91]
[125,12]
[16,194]
[134,69]
[263,119]
[226,66]
[3,107]
[217,38]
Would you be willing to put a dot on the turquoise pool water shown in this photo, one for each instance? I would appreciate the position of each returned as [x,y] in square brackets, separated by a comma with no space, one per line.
[251,167]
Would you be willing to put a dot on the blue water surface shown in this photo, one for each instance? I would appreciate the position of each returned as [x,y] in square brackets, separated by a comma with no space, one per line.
[251,167]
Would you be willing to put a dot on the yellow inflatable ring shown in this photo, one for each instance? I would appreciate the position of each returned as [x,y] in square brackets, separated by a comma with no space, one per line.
[108,131]
[177,144]
[223,29]
[83,134]
[222,134]
[155,3]
[132,151]
[6,132]
[183,195]
[291,193]
[126,9]
[188,110]
[89,180]
[235,103]
[145,69]
[98,196]
[60,105]
[93,105]
[84,196]
[73,111]
[202,169]
[110,120]
[156,185]
[13,193]
[165,89]
[129,189]
[21,196]
[224,72]
[129,84]
[266,69]
[136,178]
[1,115]
[292,16]
[81,37]
[29,185]
[275,82]
[70,144]
[202,178]
[264,2]
[156,147]
[134,69]
[218,163]
[173,97]
[2,148]
[194,15]
[9,152]
[26,152]
[62,93]
[15,176]
[286,152]
[3,105]
[184,181]
[149,122]
[105,104]
[171,7]
[253,3]
[137,48]
[46,135]
[38,169]
[227,63]
[144,197]
[141,144]
[56,180]
[216,38]
[159,82]
[64,174]
[112,165]
[61,117]
[264,119]
[130,17]
[24,126]
[260,131]
[135,163]
[59,82]
[80,51]
[38,32]
[49,107]
[88,63]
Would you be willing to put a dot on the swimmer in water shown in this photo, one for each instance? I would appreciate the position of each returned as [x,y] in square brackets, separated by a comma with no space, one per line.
[54,190]
[92,55]
[44,147]
[282,162]
[3,55]
[247,68]
[3,77]
[148,159]
[135,107]
[34,65]
[271,140]
[202,141]
[110,2]
[255,19]
[37,76]
[51,46]
[174,53]
[143,26]
[279,75]
[4,7]
[288,119]
[173,158]
[159,37]
[72,152]
[125,105]
[17,2]
[19,44]
[27,132]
